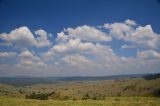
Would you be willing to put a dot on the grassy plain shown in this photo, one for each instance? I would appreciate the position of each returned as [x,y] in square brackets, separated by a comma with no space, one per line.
[125,92]
[109,101]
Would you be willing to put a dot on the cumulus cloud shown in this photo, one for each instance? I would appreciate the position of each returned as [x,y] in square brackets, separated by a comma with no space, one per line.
[31,65]
[130,22]
[7,54]
[85,50]
[28,60]
[148,54]
[125,46]
[119,30]
[74,45]
[140,36]
[77,60]
[20,37]
[85,33]
[61,37]
[78,54]
[76,49]
[69,47]
[42,40]
[23,37]
[27,55]
[145,37]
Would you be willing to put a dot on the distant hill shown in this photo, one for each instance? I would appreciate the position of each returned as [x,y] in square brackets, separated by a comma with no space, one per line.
[24,81]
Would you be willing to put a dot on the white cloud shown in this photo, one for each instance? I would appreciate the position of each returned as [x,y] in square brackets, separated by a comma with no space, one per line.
[75,52]
[31,65]
[118,30]
[28,60]
[41,33]
[61,37]
[84,51]
[85,33]
[102,56]
[47,55]
[7,54]
[77,60]
[42,40]
[142,37]
[72,45]
[125,46]
[20,37]
[24,38]
[68,47]
[148,54]
[130,22]
[27,55]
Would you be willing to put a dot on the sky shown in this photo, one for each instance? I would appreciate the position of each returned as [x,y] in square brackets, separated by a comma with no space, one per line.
[79,37]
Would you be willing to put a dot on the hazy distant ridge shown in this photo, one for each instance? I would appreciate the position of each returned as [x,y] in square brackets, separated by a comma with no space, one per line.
[26,80]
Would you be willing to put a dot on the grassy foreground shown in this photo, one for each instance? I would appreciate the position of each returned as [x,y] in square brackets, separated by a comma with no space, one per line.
[110,101]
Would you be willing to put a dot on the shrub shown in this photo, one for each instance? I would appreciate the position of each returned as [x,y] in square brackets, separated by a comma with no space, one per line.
[86,97]
[116,99]
[39,96]
[96,96]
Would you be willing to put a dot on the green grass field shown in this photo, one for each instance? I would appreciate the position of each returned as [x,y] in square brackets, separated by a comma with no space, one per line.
[110,101]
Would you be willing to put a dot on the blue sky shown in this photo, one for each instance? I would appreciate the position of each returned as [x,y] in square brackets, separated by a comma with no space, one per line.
[54,15]
[79,37]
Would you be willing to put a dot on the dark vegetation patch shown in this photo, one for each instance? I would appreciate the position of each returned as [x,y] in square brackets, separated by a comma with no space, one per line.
[153,76]
[156,93]
[96,96]
[39,96]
